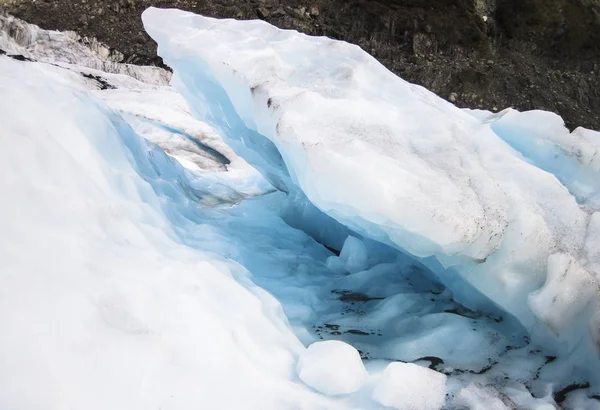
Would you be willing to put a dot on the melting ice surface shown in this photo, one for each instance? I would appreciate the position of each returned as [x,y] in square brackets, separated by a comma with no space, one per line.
[460,260]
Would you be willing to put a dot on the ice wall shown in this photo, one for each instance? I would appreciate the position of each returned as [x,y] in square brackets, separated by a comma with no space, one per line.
[395,163]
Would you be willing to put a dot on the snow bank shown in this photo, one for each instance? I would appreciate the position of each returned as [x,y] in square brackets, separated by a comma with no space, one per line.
[101,304]
[397,164]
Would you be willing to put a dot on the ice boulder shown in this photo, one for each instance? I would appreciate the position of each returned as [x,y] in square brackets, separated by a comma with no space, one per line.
[332,367]
[407,386]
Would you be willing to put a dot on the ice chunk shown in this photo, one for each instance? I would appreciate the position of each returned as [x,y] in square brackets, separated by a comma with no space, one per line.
[354,255]
[445,335]
[407,386]
[332,367]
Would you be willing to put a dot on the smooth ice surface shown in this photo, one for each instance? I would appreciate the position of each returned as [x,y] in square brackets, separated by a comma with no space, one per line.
[397,164]
[332,367]
[406,386]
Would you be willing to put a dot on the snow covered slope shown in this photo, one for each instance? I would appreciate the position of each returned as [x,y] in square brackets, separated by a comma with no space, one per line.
[397,164]
[106,307]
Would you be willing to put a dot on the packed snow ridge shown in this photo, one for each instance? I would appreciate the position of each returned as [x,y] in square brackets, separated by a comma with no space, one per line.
[286,225]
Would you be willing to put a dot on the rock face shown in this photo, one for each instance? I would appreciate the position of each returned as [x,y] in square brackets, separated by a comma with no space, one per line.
[491,54]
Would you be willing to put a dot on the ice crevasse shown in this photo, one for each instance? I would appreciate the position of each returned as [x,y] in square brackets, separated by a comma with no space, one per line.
[504,208]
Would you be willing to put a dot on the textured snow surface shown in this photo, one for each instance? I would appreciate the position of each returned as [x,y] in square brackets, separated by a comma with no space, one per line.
[332,367]
[499,226]
[406,386]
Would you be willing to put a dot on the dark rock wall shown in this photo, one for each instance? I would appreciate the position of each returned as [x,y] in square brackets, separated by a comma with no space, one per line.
[492,54]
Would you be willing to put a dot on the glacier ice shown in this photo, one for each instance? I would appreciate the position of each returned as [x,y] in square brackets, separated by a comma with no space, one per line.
[396,164]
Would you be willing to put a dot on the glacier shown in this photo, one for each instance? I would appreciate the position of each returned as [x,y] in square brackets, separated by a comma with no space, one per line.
[286,225]
[504,225]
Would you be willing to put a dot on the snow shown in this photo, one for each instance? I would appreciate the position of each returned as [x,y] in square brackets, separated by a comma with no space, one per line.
[141,94]
[406,386]
[474,397]
[332,368]
[392,162]
[574,158]
[68,49]
[102,302]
